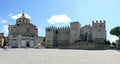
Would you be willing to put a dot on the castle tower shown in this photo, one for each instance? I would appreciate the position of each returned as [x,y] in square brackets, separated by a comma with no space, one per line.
[98,31]
[74,31]
[50,37]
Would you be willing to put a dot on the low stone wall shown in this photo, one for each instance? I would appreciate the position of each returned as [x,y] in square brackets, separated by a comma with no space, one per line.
[87,45]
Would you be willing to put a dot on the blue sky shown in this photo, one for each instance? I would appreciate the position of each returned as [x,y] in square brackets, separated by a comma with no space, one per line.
[45,13]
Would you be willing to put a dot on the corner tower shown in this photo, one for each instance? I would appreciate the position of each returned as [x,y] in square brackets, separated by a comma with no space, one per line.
[99,31]
[74,31]
[50,36]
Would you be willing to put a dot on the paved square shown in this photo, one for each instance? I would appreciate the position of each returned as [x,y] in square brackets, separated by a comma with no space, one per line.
[57,56]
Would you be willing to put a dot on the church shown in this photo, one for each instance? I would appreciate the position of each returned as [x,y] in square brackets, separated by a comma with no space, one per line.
[22,33]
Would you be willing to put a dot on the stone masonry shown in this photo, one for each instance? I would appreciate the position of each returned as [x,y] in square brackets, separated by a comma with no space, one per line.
[65,36]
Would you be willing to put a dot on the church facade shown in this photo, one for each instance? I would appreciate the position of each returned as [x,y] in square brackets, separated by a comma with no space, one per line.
[69,35]
[22,32]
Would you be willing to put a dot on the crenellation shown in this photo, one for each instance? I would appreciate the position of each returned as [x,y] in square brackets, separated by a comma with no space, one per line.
[51,27]
[47,27]
[96,21]
[89,25]
[62,28]
[104,21]
[93,22]
[65,27]
[100,21]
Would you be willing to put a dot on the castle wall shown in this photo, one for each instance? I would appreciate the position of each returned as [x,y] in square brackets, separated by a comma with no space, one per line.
[63,35]
[57,36]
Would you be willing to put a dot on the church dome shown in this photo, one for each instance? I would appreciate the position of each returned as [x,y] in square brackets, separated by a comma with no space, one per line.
[22,19]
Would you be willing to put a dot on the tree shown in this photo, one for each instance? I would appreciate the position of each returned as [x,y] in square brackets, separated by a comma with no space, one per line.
[116,31]
[114,44]
[44,39]
[107,42]
[43,43]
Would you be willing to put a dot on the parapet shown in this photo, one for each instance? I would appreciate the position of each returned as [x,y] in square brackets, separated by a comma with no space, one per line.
[51,27]
[58,28]
[65,27]
[74,22]
[88,25]
[100,21]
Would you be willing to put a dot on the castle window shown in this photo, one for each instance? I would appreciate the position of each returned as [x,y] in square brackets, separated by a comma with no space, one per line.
[100,25]
[13,36]
[48,29]
[13,29]
[99,30]
[56,31]
[27,30]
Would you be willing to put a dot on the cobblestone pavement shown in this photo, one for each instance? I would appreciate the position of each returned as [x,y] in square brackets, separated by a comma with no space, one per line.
[56,56]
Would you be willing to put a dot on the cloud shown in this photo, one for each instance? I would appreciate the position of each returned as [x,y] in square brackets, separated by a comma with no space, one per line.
[18,15]
[58,19]
[3,21]
[10,14]
[5,28]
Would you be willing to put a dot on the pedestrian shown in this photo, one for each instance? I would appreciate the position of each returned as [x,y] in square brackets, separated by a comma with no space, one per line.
[27,45]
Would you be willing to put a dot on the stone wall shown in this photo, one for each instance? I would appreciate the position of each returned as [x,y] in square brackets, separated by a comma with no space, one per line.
[65,36]
[87,45]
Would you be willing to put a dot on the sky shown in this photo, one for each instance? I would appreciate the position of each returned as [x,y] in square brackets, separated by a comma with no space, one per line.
[59,13]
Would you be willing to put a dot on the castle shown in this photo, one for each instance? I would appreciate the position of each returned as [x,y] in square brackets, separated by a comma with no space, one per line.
[68,35]
[22,33]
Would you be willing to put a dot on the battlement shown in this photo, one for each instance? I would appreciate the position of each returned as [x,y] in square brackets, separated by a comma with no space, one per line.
[76,22]
[100,21]
[51,27]
[87,25]
[65,27]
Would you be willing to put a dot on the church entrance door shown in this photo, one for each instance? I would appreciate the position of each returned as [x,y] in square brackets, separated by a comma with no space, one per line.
[23,43]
